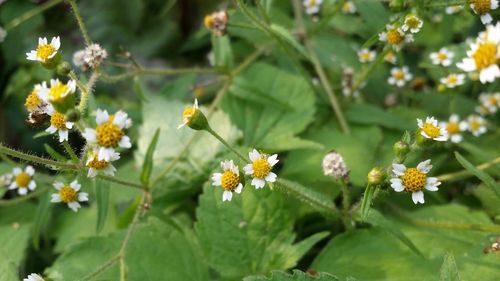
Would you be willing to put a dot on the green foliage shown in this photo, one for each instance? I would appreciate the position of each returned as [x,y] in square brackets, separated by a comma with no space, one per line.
[296,275]
[101,189]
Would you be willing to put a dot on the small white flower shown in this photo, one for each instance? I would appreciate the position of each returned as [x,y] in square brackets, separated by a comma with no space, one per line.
[399,76]
[229,180]
[366,55]
[5,180]
[450,10]
[430,129]
[334,166]
[414,180]
[454,127]
[3,34]
[490,102]
[58,91]
[69,194]
[36,104]
[312,6]
[476,125]
[395,37]
[45,51]
[482,9]
[59,124]
[109,133]
[349,7]
[34,277]
[453,80]
[391,58]
[100,166]
[412,23]
[261,168]
[444,57]
[23,180]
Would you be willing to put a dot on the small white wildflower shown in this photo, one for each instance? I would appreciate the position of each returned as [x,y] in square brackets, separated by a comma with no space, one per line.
[414,180]
[312,6]
[45,51]
[69,194]
[229,180]
[490,102]
[34,277]
[261,168]
[395,37]
[444,57]
[454,127]
[399,76]
[476,125]
[23,180]
[483,8]
[349,8]
[453,80]
[430,129]
[59,124]
[391,57]
[412,23]
[366,55]
[100,166]
[334,166]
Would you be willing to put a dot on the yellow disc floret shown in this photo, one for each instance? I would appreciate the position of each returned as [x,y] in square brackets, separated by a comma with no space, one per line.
[23,179]
[399,75]
[475,125]
[208,21]
[452,79]
[108,134]
[485,55]
[412,22]
[394,37]
[67,194]
[431,130]
[261,168]
[188,113]
[230,180]
[44,51]
[481,7]
[33,101]
[57,120]
[96,164]
[453,128]
[413,180]
[58,91]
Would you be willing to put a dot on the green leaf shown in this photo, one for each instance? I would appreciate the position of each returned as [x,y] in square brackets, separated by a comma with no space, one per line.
[8,270]
[367,201]
[296,275]
[101,188]
[258,219]
[284,34]
[41,218]
[15,239]
[54,154]
[373,115]
[484,177]
[449,271]
[147,167]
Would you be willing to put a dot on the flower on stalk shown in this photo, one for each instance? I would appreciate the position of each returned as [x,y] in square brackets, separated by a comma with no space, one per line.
[489,102]
[194,118]
[443,57]
[450,10]
[349,8]
[23,180]
[36,105]
[45,52]
[430,129]
[312,6]
[366,55]
[109,133]
[453,80]
[34,277]
[348,83]
[476,125]
[61,96]
[97,166]
[261,168]
[395,37]
[414,180]
[217,22]
[454,127]
[399,76]
[229,180]
[59,124]
[484,54]
[69,194]
[483,8]
[334,166]
[412,23]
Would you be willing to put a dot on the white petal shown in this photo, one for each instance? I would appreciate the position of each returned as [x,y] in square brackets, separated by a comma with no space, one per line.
[271,177]
[32,185]
[239,188]
[13,185]
[248,169]
[31,56]
[74,206]
[397,185]
[55,198]
[424,166]
[101,116]
[120,119]
[486,18]
[56,42]
[63,135]
[58,185]
[258,183]
[51,129]
[22,191]
[216,179]
[125,142]
[83,196]
[16,171]
[92,173]
[254,155]
[90,135]
[30,170]
[75,185]
[69,125]
[398,169]
[273,159]
[105,154]
[227,195]
[418,197]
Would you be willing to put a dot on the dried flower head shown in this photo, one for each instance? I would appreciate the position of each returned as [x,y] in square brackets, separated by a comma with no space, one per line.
[217,22]
[334,166]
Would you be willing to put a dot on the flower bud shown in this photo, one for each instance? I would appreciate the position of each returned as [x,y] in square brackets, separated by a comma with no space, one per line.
[72,115]
[63,68]
[194,118]
[376,176]
[400,149]
[334,166]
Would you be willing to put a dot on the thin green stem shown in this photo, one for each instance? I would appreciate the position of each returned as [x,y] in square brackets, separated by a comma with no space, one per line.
[35,159]
[156,71]
[346,203]
[226,144]
[102,268]
[31,13]
[121,182]
[34,194]
[362,78]
[465,173]
[80,22]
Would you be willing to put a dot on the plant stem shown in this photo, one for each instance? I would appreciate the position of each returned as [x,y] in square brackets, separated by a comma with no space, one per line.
[157,71]
[31,13]
[346,202]
[464,174]
[36,159]
[20,199]
[80,22]
[218,137]
[102,268]
[70,152]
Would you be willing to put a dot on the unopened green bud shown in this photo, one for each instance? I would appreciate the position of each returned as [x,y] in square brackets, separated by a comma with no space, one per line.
[401,148]
[63,68]
[376,176]
[72,115]
[194,118]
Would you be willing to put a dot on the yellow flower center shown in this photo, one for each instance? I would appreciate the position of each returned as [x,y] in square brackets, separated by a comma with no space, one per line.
[412,22]
[475,125]
[58,91]
[229,180]
[365,56]
[413,180]
[431,130]
[57,120]
[399,75]
[44,51]
[261,168]
[442,56]
[453,128]
[188,113]
[452,79]
[33,101]
[96,164]
[208,21]
[481,6]
[485,55]
[67,194]
[394,37]
[23,179]
[311,3]
[493,100]
[108,134]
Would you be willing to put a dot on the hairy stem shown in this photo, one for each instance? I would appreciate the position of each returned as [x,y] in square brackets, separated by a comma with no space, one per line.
[80,22]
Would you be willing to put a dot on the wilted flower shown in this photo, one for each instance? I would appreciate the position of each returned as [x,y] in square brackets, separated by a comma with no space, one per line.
[454,127]
[476,125]
[261,168]
[414,180]
[97,166]
[334,166]
[349,8]
[45,51]
[366,55]
[69,194]
[348,83]
[483,8]
[453,80]
[217,22]
[23,180]
[443,57]
[312,6]
[395,37]
[229,180]
[430,129]
[5,180]
[35,104]
[399,76]
[34,277]
[412,23]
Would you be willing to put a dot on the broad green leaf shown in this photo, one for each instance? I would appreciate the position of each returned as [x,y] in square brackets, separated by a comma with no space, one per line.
[449,271]
[101,189]
[373,115]
[373,13]
[147,167]
[296,275]
[41,218]
[366,202]
[8,270]
[483,176]
[268,126]
[15,238]
[285,35]
[258,219]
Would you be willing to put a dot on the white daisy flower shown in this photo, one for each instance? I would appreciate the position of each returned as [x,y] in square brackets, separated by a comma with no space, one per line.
[23,180]
[59,124]
[399,76]
[391,57]
[414,180]
[58,91]
[430,129]
[476,125]
[490,102]
[395,37]
[45,51]
[188,113]
[484,54]
[100,166]
[444,57]
[453,80]
[450,10]
[109,133]
[69,194]
[349,8]
[34,277]
[412,23]
[454,127]
[483,8]
[366,55]
[260,168]
[229,180]
[312,6]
